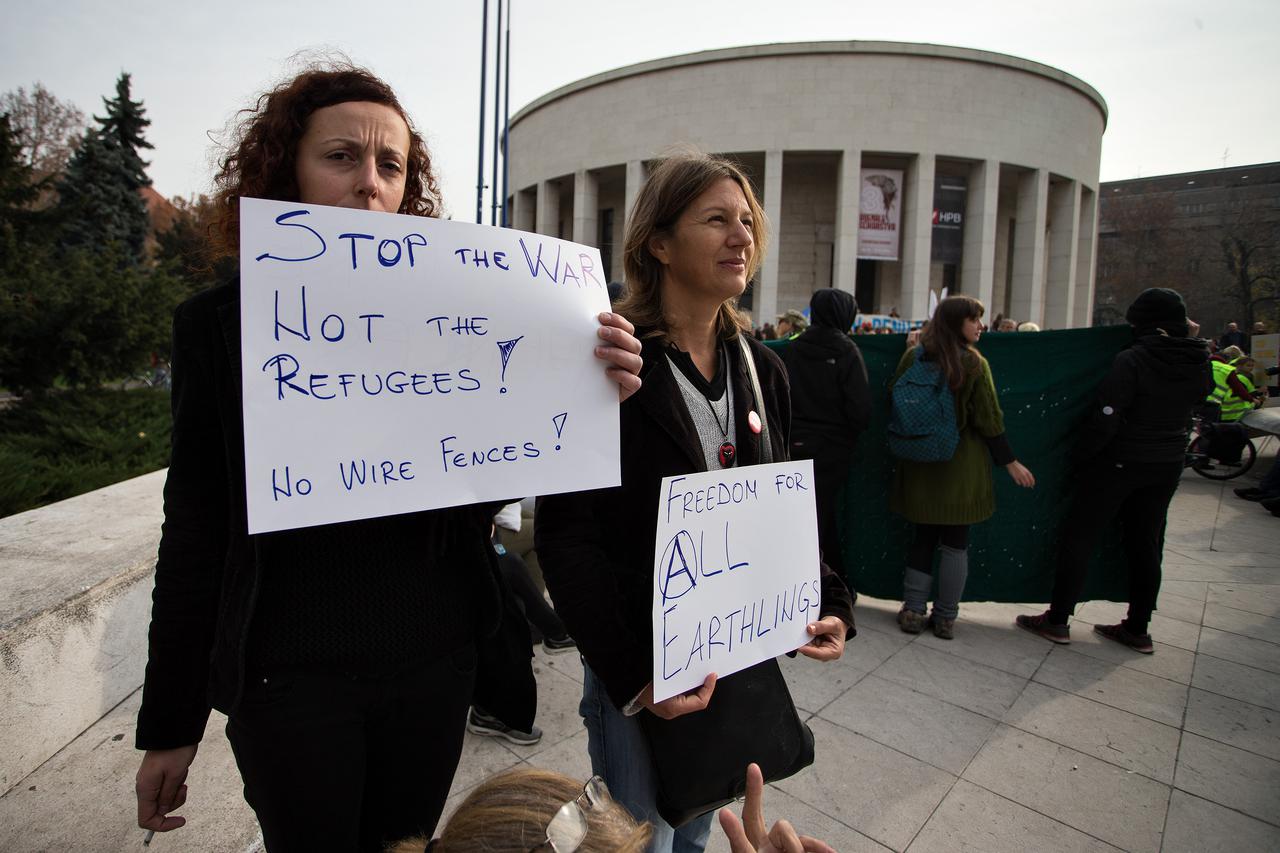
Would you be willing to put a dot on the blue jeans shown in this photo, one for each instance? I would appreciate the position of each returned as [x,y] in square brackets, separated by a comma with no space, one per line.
[620,755]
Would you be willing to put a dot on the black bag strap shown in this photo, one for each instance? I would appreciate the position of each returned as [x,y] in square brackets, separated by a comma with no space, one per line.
[766,446]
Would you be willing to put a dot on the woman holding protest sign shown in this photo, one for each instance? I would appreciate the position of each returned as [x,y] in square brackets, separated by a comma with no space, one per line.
[943,496]
[343,654]
[712,398]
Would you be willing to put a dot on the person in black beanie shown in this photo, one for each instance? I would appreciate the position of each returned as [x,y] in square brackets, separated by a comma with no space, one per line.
[1130,458]
[830,405]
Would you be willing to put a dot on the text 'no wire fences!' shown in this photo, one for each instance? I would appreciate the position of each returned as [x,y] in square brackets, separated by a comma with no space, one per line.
[397,363]
[735,574]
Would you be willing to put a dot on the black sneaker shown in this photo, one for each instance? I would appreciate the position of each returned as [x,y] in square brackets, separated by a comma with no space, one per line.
[1121,634]
[1040,624]
[558,645]
[480,723]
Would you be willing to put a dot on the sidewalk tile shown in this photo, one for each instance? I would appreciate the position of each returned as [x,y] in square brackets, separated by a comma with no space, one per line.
[1002,647]
[879,791]
[1237,681]
[921,726]
[1120,687]
[1196,825]
[1228,776]
[1255,568]
[814,684]
[974,819]
[1259,598]
[569,757]
[1175,606]
[481,758]
[1117,806]
[1115,736]
[806,820]
[1187,589]
[1230,721]
[557,714]
[1169,662]
[1240,649]
[1244,623]
[970,685]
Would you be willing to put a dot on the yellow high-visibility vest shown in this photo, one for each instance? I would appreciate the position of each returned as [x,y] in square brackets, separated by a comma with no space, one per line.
[1232,406]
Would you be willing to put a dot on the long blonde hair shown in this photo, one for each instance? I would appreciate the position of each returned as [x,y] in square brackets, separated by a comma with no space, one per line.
[509,813]
[673,184]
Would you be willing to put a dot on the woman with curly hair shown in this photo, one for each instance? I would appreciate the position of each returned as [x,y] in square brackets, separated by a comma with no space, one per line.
[343,654]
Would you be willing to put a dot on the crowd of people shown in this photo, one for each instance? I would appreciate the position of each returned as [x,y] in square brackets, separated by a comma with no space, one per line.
[351,658]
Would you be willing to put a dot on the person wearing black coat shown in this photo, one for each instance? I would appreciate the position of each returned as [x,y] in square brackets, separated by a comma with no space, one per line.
[1130,457]
[830,406]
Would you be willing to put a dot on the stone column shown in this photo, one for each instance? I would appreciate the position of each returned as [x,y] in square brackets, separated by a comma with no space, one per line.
[848,198]
[978,267]
[1027,300]
[549,208]
[520,212]
[1086,257]
[766,301]
[1064,232]
[631,189]
[586,193]
[917,237]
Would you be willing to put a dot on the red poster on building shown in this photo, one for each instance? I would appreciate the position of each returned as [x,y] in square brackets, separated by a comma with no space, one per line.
[879,214]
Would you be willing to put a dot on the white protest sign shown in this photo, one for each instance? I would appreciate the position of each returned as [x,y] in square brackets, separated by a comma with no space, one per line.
[397,363]
[735,575]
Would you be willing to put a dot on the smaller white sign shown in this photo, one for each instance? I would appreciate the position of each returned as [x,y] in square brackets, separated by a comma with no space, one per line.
[736,575]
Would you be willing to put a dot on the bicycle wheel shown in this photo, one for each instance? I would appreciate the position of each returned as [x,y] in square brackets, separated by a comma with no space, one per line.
[1215,469]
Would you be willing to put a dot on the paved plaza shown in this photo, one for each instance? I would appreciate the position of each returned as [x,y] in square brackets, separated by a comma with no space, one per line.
[996,740]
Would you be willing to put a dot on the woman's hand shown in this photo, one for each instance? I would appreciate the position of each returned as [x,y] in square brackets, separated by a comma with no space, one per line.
[828,639]
[681,703]
[620,350]
[913,338]
[1020,474]
[749,834]
[161,787]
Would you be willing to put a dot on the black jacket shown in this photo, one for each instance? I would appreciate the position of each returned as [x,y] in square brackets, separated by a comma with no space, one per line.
[596,547]
[1143,408]
[830,397]
[207,571]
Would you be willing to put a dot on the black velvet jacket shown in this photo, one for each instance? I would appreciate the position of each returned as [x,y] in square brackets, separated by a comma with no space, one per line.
[596,547]
[208,568]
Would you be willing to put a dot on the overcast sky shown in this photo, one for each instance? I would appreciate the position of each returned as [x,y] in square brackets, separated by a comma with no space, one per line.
[1190,85]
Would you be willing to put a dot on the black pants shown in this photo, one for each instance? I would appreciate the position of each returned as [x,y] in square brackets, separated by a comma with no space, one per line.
[335,763]
[927,539]
[830,471]
[1139,494]
[506,687]
[534,605]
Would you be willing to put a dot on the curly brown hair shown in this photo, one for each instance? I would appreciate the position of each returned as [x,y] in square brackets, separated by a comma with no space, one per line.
[262,159]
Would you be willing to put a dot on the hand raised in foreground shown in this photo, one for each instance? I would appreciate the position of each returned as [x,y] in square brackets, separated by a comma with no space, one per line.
[681,703]
[828,639]
[749,835]
[620,350]
[161,787]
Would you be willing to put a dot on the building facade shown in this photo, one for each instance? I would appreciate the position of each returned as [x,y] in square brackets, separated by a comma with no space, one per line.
[1214,236]
[1000,153]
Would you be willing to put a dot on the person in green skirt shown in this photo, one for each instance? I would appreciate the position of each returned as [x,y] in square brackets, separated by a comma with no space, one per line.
[942,499]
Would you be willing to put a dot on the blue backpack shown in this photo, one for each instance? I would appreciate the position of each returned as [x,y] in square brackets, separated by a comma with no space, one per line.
[922,417]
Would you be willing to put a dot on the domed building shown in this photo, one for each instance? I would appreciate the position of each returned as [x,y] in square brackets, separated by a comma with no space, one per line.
[885,169]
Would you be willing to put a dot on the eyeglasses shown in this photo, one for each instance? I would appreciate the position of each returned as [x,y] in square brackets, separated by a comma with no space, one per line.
[568,826]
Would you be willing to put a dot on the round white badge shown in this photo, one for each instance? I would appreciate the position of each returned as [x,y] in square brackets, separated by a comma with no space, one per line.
[753,421]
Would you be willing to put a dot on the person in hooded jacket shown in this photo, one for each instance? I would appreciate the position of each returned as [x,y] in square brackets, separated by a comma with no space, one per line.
[830,405]
[1131,458]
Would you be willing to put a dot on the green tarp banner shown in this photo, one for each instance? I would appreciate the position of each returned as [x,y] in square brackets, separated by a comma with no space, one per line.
[1045,382]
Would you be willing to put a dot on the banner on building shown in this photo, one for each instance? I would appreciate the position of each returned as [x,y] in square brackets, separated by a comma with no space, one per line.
[879,214]
[948,219]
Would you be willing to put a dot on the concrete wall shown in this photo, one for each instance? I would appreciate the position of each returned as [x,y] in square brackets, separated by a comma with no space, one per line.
[75,602]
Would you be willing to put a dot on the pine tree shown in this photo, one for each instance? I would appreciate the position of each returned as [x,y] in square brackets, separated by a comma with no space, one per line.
[17,189]
[98,200]
[98,196]
[125,121]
